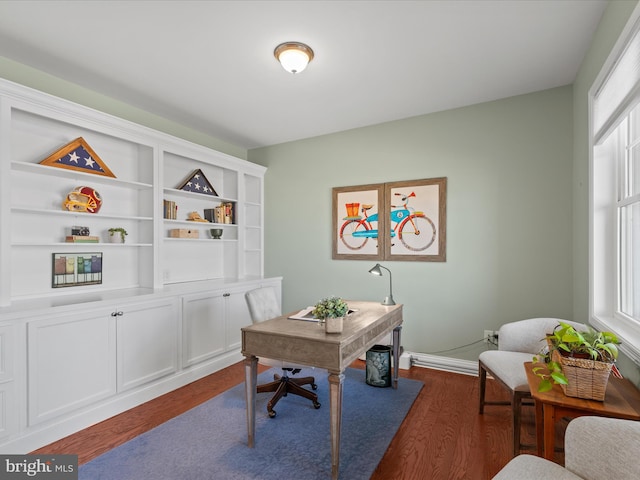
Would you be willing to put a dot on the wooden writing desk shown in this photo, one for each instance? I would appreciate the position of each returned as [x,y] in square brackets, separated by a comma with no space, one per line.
[306,343]
[622,400]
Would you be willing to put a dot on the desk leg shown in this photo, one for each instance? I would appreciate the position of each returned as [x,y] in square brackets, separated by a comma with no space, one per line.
[335,406]
[396,354]
[539,428]
[549,431]
[250,386]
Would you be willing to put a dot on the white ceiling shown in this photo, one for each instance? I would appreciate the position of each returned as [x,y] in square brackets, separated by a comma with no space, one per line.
[209,64]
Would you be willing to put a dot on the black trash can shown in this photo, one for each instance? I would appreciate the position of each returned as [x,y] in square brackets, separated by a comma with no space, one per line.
[379,366]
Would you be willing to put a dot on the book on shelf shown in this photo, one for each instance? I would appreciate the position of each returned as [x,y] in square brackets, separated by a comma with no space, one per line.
[82,239]
[170,210]
[228,212]
[223,213]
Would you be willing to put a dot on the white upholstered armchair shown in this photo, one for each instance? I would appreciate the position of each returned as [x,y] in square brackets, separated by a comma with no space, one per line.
[595,448]
[517,343]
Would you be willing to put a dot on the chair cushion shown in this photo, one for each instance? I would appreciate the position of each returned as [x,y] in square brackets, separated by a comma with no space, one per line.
[508,367]
[530,467]
[599,447]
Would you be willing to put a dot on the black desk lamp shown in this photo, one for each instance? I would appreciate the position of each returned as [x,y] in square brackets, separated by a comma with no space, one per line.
[376,271]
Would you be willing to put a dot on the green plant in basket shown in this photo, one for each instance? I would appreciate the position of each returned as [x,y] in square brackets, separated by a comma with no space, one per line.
[330,307]
[568,342]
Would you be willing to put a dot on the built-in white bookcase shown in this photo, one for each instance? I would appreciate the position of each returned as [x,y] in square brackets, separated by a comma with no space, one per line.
[149,167]
[253,215]
[37,222]
[168,311]
[217,258]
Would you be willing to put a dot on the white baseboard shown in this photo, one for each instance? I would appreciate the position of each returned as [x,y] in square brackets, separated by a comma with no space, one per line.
[466,367]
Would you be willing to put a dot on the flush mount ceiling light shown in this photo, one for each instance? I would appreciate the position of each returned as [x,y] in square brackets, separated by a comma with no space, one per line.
[293,56]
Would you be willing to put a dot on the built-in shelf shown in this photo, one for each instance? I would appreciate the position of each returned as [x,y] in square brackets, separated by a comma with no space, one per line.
[76,215]
[83,245]
[197,196]
[200,224]
[37,169]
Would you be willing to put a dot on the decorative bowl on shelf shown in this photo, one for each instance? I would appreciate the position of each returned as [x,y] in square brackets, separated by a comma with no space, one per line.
[216,233]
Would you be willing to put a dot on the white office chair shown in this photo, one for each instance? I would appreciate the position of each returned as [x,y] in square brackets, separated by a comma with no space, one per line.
[518,342]
[263,305]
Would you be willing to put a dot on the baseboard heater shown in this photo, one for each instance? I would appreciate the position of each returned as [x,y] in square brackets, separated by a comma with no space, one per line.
[456,365]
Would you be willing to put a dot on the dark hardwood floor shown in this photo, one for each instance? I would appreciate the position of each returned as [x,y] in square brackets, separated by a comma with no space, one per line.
[443,437]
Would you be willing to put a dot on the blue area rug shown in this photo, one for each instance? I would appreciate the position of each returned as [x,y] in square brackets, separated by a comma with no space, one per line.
[209,442]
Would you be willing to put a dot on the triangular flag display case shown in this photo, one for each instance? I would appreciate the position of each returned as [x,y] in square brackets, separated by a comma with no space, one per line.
[78,155]
[198,183]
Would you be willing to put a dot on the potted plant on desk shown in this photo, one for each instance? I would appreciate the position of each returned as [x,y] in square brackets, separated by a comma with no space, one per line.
[331,310]
[580,362]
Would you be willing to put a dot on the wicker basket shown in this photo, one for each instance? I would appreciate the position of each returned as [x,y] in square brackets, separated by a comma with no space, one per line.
[587,378]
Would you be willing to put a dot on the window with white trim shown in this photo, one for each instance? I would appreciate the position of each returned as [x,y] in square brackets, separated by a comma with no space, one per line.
[615,194]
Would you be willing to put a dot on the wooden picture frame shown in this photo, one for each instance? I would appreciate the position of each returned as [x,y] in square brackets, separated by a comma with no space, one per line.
[357,216]
[76,269]
[418,216]
[414,212]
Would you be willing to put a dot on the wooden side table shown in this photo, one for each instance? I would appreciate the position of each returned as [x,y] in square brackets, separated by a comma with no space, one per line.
[622,400]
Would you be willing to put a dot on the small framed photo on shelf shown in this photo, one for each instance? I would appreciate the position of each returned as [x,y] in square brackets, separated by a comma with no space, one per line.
[76,269]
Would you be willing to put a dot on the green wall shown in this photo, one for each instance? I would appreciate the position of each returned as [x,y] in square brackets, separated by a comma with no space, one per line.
[517,206]
[518,173]
[509,231]
[25,75]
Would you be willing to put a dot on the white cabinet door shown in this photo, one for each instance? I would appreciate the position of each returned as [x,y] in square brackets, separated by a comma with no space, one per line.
[147,342]
[71,362]
[212,322]
[8,412]
[203,326]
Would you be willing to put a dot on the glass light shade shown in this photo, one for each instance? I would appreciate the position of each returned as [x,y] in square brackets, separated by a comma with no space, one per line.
[294,57]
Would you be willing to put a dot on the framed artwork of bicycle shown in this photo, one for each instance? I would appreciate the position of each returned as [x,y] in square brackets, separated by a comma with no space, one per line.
[356,222]
[413,212]
[418,213]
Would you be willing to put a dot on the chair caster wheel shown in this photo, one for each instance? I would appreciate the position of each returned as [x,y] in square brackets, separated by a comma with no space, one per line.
[314,386]
[272,414]
[316,405]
